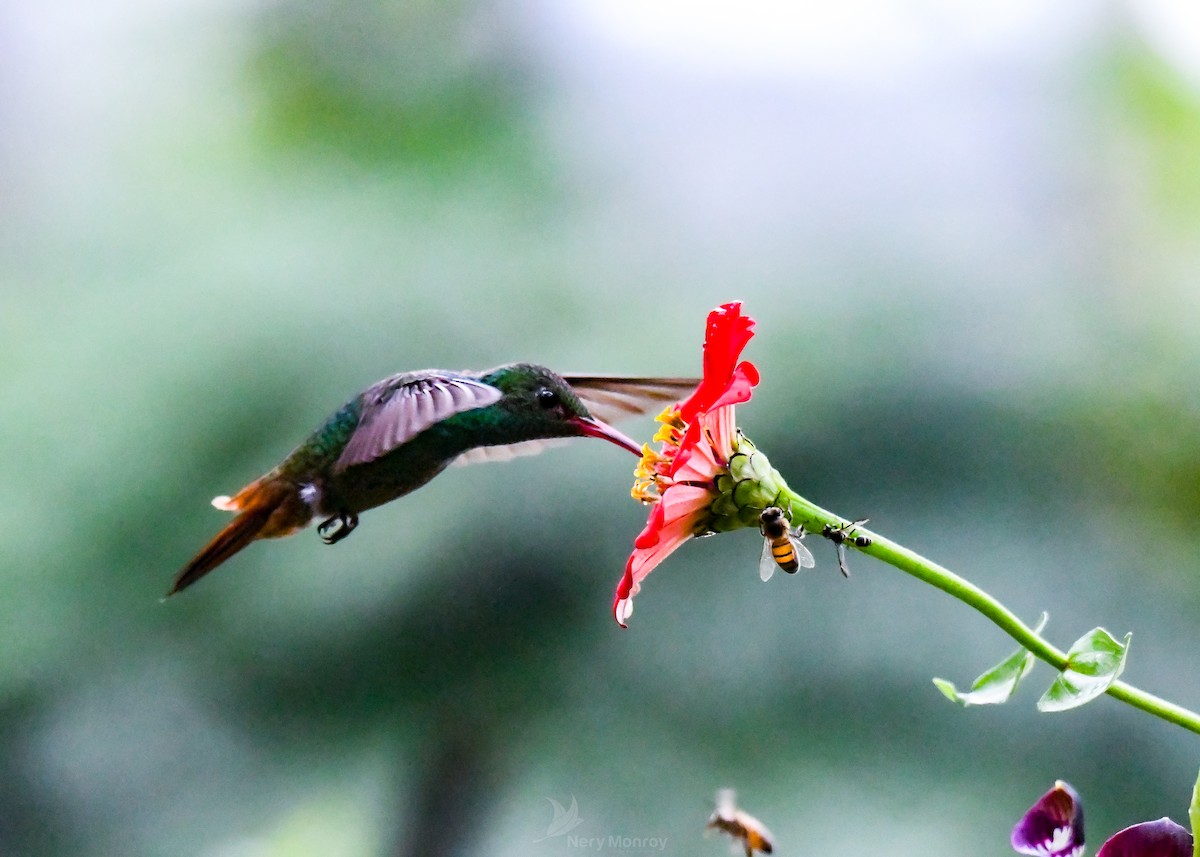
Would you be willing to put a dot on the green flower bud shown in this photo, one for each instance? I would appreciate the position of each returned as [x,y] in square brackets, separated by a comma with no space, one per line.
[749,485]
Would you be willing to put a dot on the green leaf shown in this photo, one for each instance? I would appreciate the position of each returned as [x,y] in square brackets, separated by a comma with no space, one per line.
[999,683]
[1093,663]
[1194,815]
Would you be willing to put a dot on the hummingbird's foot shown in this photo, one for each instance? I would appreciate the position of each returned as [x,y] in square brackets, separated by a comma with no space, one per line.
[337,528]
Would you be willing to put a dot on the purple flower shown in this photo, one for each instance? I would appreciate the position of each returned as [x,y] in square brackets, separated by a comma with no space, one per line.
[1053,827]
[1162,838]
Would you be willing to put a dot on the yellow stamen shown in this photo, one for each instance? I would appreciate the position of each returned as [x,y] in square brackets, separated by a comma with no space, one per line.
[669,415]
[647,465]
[650,473]
[672,427]
[645,491]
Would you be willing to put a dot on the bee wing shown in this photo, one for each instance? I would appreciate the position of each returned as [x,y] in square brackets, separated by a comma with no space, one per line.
[803,555]
[726,804]
[767,564]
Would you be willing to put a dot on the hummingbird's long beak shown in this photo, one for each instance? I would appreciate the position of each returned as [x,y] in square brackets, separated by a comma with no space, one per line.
[592,427]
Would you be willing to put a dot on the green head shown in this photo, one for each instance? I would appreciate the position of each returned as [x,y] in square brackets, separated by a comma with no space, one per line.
[538,403]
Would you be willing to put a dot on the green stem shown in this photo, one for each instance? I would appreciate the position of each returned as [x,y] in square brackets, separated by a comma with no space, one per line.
[1194,818]
[814,519]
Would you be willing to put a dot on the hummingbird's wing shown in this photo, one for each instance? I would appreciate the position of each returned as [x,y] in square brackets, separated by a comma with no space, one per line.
[507,452]
[607,398]
[396,410]
[611,399]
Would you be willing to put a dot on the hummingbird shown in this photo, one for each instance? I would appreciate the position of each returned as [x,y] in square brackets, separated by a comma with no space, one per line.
[400,432]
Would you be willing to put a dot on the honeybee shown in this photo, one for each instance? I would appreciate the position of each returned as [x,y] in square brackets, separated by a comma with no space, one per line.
[743,827]
[781,545]
[840,535]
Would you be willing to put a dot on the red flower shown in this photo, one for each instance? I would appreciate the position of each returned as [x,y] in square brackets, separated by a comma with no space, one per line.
[698,437]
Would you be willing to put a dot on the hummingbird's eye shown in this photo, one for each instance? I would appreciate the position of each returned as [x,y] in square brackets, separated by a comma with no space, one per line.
[547,398]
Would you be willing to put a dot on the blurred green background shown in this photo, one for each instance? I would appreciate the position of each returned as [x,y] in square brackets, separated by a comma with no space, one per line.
[970,237]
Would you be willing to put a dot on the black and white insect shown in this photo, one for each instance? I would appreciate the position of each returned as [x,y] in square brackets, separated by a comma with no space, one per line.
[842,535]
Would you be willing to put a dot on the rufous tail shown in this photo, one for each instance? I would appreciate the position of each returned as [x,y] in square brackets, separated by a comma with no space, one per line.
[267,507]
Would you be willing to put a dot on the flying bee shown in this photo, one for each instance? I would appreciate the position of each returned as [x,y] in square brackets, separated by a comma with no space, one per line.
[743,827]
[781,545]
[843,534]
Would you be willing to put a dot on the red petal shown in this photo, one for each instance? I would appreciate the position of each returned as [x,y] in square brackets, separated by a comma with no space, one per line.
[667,536]
[648,537]
[687,446]
[701,463]
[726,335]
[744,377]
